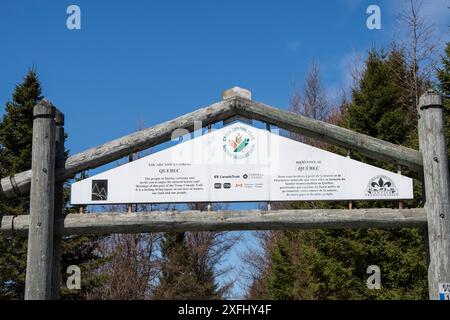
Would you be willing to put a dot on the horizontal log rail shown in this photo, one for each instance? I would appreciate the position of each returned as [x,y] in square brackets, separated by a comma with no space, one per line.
[162,221]
[119,148]
[147,138]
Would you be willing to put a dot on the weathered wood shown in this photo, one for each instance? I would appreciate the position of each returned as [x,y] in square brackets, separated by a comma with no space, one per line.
[160,221]
[119,148]
[371,147]
[40,235]
[437,189]
[114,150]
[59,205]
[17,184]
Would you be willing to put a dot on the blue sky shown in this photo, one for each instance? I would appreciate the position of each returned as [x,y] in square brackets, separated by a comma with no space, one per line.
[150,61]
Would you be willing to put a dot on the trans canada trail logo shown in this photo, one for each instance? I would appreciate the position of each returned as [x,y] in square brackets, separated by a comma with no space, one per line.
[238,143]
[381,186]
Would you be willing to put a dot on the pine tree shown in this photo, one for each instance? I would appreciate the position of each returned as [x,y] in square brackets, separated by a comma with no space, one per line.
[443,76]
[190,263]
[379,108]
[184,272]
[290,278]
[175,280]
[15,156]
[335,261]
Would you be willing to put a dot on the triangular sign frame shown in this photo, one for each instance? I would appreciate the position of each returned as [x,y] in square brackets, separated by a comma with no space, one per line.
[240,163]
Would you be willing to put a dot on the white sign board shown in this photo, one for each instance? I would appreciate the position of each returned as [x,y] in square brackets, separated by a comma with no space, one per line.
[241,163]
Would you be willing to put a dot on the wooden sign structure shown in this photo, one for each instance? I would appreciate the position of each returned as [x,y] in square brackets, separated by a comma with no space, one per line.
[240,163]
[45,223]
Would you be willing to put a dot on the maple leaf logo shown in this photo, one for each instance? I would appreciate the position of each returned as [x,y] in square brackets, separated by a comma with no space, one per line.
[236,142]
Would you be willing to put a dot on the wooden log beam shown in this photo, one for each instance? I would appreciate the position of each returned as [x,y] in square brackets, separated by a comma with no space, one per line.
[437,189]
[119,148]
[162,221]
[371,147]
[144,139]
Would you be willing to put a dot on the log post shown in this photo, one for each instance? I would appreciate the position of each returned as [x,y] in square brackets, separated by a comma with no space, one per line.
[437,189]
[229,220]
[59,204]
[130,205]
[40,235]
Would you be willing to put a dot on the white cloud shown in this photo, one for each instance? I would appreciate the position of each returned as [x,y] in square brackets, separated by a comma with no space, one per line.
[294,45]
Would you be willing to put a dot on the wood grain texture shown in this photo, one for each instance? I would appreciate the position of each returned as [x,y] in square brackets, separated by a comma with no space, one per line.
[59,207]
[116,149]
[161,221]
[40,234]
[437,189]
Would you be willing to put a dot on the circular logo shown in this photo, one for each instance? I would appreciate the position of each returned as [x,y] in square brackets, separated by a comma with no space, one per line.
[239,142]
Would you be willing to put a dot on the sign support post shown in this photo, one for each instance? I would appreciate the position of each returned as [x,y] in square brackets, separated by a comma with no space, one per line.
[40,237]
[59,204]
[437,189]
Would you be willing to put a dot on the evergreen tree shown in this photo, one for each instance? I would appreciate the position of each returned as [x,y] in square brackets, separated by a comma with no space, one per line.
[184,273]
[377,109]
[443,76]
[335,261]
[190,263]
[15,156]
[290,278]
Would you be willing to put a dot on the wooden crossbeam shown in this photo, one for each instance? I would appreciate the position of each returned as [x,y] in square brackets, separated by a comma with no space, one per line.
[122,147]
[371,147]
[162,221]
[147,138]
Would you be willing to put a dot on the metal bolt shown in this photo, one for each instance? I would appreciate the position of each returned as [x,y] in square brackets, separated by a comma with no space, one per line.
[44,170]
[442,215]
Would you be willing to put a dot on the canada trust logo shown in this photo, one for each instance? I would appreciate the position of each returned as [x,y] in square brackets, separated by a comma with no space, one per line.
[381,186]
[239,142]
[99,190]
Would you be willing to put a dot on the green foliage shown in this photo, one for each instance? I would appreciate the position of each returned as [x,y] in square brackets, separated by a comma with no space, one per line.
[15,156]
[377,108]
[82,251]
[185,273]
[335,261]
[443,76]
[15,128]
[290,278]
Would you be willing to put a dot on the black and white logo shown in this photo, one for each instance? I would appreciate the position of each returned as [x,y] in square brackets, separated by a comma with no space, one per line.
[99,190]
[381,186]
